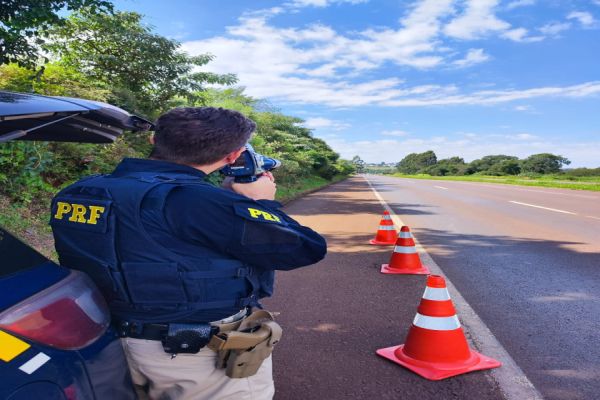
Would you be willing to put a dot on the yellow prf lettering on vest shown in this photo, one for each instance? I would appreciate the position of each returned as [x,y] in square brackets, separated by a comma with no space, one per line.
[258,214]
[254,213]
[271,217]
[78,212]
[62,209]
[95,213]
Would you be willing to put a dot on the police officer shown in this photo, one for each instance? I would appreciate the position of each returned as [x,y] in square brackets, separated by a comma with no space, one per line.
[171,251]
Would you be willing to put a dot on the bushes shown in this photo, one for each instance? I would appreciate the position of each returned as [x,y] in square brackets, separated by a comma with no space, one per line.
[580,172]
[499,164]
[53,79]
[283,137]
[495,165]
[21,168]
[30,170]
[417,162]
[544,163]
[448,166]
[505,167]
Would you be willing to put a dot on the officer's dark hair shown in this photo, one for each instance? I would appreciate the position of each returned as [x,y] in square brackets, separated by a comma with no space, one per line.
[199,135]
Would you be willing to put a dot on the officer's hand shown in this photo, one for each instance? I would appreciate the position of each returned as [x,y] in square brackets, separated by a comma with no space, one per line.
[227,182]
[261,189]
[269,175]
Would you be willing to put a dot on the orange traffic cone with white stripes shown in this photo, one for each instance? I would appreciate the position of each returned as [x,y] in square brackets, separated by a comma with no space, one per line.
[405,259]
[436,347]
[386,233]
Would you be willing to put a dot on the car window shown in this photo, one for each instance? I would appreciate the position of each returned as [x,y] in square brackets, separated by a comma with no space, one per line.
[16,255]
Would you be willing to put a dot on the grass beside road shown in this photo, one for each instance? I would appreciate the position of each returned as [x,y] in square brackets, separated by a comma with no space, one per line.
[551,181]
[288,192]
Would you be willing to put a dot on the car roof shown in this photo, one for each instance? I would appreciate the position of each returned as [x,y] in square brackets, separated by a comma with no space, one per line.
[25,116]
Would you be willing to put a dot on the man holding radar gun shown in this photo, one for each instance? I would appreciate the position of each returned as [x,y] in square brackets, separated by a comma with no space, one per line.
[183,263]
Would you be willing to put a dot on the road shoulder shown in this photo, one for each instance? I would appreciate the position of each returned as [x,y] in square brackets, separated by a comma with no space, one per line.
[338,312]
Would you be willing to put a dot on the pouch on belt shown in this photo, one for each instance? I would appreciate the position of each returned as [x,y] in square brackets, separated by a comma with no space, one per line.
[241,352]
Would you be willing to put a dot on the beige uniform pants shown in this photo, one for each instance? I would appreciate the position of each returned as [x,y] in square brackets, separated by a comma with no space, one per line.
[191,376]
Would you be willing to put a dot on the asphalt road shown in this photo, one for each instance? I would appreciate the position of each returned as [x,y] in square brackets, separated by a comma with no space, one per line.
[337,313]
[527,260]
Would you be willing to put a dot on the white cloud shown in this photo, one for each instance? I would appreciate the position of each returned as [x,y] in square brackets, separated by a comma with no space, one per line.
[264,12]
[315,64]
[479,20]
[497,96]
[519,3]
[523,108]
[321,3]
[554,28]
[319,51]
[320,122]
[397,133]
[525,136]
[476,21]
[311,62]
[412,44]
[520,35]
[474,56]
[585,18]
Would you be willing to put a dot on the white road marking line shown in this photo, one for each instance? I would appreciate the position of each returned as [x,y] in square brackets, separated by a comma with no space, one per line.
[543,208]
[35,363]
[589,216]
[441,187]
[511,379]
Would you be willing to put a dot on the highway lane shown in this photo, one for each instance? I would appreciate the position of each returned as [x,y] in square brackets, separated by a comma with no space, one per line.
[527,260]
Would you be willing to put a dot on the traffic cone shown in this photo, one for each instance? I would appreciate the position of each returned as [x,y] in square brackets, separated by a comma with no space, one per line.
[405,259]
[386,233]
[436,347]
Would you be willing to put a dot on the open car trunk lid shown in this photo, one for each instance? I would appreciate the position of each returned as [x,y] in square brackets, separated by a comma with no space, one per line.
[63,119]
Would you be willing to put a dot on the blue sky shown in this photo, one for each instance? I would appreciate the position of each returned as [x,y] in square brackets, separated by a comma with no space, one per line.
[383,78]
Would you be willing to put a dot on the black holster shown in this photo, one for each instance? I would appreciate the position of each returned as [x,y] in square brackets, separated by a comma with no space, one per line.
[187,338]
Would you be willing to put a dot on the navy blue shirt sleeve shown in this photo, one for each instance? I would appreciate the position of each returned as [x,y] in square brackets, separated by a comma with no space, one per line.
[255,232]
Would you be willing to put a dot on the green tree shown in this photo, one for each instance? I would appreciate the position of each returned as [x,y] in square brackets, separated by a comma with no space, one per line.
[359,164]
[232,98]
[544,163]
[345,167]
[25,24]
[416,162]
[147,73]
[57,80]
[485,164]
[505,167]
[447,166]
[31,170]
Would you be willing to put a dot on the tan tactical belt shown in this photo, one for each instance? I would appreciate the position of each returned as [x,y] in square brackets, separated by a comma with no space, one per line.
[243,345]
